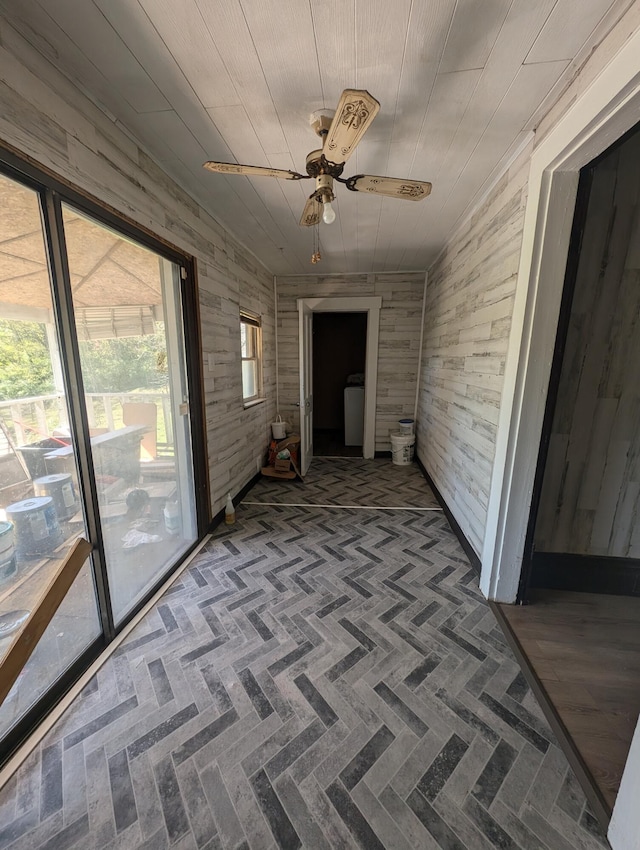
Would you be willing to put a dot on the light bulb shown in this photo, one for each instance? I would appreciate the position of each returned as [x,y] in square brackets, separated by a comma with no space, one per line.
[328,213]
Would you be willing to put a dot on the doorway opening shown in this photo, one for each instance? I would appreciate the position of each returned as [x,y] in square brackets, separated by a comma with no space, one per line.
[339,356]
[307,308]
[583,531]
[579,638]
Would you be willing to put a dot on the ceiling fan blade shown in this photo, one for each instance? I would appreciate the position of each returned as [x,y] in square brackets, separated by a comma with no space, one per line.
[253,170]
[356,110]
[392,187]
[311,213]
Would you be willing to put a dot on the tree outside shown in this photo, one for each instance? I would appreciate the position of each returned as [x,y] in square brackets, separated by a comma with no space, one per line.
[109,365]
[25,365]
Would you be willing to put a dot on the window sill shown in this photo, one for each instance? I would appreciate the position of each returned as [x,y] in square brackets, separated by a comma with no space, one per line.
[253,403]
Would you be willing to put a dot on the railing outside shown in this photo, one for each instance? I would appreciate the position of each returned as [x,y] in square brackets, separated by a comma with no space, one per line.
[28,420]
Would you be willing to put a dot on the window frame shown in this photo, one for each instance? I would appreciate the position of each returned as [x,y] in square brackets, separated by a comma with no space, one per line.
[253,324]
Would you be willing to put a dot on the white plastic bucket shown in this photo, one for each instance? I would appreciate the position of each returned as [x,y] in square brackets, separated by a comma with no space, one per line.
[405,426]
[279,428]
[402,446]
[60,488]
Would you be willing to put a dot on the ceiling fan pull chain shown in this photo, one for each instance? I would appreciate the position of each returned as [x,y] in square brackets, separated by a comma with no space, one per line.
[316,256]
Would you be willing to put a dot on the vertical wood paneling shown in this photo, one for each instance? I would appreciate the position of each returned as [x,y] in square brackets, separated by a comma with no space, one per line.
[589,501]
[397,348]
[89,150]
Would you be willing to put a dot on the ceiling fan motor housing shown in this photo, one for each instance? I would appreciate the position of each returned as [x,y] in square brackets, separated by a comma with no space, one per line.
[317,164]
[324,187]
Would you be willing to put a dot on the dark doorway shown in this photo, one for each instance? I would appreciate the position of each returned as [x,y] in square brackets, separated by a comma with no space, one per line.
[584,533]
[339,355]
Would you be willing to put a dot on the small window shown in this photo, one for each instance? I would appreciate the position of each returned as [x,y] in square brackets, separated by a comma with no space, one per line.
[251,351]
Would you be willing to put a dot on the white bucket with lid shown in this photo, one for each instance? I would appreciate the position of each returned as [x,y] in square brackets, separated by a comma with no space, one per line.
[405,426]
[402,446]
[36,526]
[60,487]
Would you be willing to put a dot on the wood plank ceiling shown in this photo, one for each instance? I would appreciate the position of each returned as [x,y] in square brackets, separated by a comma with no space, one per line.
[461,84]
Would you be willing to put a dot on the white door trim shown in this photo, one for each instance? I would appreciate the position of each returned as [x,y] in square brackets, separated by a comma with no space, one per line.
[372,306]
[604,112]
[305,338]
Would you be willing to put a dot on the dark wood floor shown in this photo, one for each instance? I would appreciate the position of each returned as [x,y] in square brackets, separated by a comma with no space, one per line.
[584,650]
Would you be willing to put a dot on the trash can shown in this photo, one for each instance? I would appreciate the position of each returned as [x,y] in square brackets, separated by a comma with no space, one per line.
[33,454]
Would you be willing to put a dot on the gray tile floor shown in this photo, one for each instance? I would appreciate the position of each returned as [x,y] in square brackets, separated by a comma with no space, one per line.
[319,678]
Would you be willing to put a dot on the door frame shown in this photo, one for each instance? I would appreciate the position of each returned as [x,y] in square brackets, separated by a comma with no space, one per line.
[603,113]
[365,304]
[305,405]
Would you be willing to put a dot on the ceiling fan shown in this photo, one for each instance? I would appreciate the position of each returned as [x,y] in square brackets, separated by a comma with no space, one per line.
[340,133]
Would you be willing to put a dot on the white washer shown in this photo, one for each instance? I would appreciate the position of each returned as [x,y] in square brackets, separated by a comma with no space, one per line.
[353,416]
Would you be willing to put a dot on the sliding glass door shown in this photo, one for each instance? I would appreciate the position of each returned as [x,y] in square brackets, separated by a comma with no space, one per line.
[128,321]
[41,509]
[95,428]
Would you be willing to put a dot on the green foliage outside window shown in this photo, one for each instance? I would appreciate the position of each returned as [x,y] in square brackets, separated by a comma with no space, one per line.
[109,365]
[25,365]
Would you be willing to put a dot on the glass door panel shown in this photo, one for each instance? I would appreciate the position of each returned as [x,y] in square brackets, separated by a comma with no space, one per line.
[41,512]
[128,316]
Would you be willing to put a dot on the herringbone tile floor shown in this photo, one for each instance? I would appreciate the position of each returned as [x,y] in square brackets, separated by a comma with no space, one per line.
[350,481]
[318,678]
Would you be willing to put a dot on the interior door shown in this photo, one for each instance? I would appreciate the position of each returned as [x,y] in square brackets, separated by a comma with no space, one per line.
[306,385]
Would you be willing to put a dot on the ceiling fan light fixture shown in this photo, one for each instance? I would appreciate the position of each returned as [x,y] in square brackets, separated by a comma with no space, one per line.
[324,193]
[340,132]
[328,212]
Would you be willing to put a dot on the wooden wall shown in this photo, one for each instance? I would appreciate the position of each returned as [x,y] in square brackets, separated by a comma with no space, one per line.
[398,348]
[470,294]
[470,297]
[46,117]
[591,490]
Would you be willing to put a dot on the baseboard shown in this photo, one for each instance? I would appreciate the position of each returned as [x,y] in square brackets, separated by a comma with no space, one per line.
[582,772]
[219,517]
[469,551]
[586,573]
[379,455]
